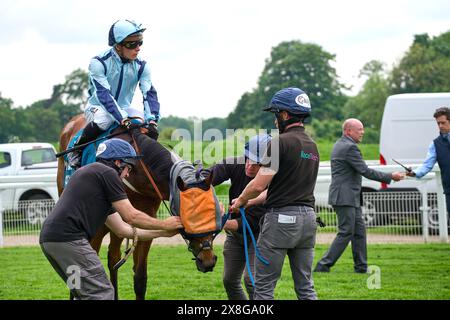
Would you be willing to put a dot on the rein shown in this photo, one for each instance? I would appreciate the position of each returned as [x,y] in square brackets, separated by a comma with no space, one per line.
[129,251]
[148,174]
[246,227]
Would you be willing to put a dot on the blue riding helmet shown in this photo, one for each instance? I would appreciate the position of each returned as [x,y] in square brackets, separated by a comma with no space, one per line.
[292,100]
[256,147]
[117,149]
[122,29]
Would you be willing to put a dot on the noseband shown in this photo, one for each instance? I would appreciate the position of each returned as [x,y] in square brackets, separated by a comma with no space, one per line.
[204,245]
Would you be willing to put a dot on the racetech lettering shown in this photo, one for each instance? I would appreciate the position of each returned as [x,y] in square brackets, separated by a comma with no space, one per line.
[309,156]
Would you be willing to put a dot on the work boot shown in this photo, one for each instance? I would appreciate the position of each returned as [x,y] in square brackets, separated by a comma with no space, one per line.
[90,132]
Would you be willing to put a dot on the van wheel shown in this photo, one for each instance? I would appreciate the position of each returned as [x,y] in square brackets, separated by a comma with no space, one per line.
[433,221]
[36,211]
[369,213]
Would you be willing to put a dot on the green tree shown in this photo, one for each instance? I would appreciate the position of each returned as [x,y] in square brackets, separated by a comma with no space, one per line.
[248,112]
[166,133]
[425,67]
[368,104]
[292,63]
[7,119]
[44,119]
[66,101]
[74,91]
[176,123]
[45,122]
[215,123]
[326,130]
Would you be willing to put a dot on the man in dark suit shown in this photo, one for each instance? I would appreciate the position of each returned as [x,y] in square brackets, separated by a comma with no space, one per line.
[347,169]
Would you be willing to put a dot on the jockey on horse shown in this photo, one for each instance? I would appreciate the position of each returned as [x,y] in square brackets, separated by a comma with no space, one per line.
[113,78]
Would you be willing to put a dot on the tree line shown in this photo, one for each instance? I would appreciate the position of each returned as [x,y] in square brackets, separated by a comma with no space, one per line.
[424,67]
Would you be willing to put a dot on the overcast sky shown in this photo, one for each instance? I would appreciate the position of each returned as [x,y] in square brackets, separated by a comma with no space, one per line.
[203,54]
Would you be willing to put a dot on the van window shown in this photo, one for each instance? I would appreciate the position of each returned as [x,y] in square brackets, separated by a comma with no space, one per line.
[35,156]
[5,159]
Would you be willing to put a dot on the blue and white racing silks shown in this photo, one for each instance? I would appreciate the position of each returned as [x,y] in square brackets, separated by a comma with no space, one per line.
[112,84]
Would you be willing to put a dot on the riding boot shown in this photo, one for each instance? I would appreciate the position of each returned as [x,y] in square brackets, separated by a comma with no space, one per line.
[90,132]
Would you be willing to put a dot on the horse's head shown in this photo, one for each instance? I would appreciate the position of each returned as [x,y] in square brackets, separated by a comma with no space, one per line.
[202,249]
[201,213]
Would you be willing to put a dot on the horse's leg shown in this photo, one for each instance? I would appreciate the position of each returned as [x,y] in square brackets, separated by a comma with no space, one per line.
[140,268]
[149,206]
[113,258]
[96,241]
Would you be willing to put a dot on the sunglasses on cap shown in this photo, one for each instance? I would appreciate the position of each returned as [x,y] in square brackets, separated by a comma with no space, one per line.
[132,44]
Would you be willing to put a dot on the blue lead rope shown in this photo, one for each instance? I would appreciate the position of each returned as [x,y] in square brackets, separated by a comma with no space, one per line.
[245,227]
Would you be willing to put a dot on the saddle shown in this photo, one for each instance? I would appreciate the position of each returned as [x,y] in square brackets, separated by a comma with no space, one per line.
[88,155]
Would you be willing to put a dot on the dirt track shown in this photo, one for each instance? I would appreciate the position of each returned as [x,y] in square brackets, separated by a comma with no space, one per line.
[322,238]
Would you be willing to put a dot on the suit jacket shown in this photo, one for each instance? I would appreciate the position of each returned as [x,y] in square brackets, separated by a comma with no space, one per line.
[347,169]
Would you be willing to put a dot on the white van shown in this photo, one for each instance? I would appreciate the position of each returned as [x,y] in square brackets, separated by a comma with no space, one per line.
[34,165]
[407,129]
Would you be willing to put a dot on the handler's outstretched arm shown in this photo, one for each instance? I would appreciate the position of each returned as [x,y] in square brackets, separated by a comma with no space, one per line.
[124,230]
[141,220]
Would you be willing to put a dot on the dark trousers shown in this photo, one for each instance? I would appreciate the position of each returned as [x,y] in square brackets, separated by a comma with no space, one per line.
[80,268]
[351,228]
[287,231]
[235,266]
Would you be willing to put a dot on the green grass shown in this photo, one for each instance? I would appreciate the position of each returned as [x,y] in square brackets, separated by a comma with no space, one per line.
[407,272]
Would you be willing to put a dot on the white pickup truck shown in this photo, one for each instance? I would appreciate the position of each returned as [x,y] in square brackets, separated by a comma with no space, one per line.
[28,172]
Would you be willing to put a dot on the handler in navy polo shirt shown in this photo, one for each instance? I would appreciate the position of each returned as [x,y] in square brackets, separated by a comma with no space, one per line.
[91,198]
[439,151]
[289,168]
[241,170]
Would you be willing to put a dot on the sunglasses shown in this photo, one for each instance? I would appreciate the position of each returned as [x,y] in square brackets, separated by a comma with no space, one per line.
[129,166]
[132,44]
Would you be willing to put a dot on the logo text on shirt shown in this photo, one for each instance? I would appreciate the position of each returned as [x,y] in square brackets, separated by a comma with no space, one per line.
[309,156]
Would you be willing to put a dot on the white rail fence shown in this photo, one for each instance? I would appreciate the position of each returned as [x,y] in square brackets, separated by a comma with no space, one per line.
[391,217]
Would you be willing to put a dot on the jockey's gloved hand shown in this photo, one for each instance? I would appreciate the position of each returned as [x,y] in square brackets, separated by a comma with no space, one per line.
[153,130]
[129,124]
[126,123]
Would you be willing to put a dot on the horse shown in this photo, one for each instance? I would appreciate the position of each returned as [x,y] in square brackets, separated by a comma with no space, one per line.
[143,196]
